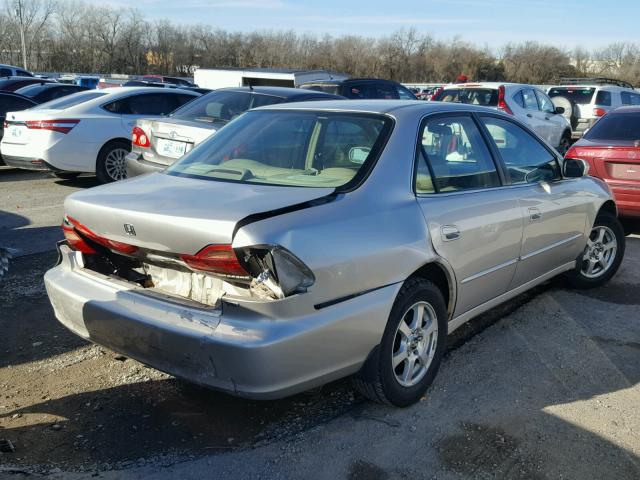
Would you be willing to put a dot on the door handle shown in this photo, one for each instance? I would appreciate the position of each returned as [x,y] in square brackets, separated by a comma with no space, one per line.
[449,233]
[529,115]
[547,118]
[534,214]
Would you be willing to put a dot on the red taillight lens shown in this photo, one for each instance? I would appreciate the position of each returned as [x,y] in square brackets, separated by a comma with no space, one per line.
[599,112]
[140,138]
[220,259]
[502,104]
[60,126]
[75,241]
[76,229]
[571,153]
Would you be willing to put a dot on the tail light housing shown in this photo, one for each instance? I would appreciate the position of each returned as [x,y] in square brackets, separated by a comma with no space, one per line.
[140,138]
[61,126]
[77,235]
[502,104]
[217,259]
[599,112]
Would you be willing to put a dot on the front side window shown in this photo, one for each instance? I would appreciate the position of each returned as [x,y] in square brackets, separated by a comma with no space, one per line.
[386,91]
[405,94]
[359,91]
[453,156]
[526,159]
[5,72]
[289,148]
[546,105]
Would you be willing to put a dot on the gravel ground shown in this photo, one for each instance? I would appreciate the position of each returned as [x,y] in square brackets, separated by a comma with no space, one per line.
[545,387]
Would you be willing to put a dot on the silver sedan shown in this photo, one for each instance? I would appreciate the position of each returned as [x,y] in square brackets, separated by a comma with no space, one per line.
[308,242]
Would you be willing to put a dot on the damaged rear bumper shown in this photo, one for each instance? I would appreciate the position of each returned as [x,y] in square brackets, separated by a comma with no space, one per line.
[258,349]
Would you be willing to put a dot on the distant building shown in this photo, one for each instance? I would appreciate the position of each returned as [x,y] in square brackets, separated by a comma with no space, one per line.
[276,77]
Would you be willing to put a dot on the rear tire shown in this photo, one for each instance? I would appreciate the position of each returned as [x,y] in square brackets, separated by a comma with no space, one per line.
[414,340]
[66,175]
[602,255]
[111,164]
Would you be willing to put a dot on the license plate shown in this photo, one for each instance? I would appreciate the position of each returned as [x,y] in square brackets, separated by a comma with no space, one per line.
[171,148]
[16,133]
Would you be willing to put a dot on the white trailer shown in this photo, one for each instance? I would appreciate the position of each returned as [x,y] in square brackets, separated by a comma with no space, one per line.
[214,78]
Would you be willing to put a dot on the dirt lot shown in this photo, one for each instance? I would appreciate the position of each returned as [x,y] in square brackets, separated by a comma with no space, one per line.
[545,387]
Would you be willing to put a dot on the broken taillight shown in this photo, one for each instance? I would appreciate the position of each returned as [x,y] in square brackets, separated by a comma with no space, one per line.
[217,259]
[76,233]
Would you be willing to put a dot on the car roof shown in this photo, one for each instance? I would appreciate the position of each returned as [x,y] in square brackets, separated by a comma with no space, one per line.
[378,106]
[284,92]
[117,90]
[17,77]
[594,85]
[486,85]
[347,80]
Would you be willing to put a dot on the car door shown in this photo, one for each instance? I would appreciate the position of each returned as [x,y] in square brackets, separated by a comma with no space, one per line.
[533,116]
[554,209]
[554,124]
[474,223]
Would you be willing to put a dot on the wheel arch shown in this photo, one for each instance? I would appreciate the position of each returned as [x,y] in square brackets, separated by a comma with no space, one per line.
[443,277]
[109,142]
[608,207]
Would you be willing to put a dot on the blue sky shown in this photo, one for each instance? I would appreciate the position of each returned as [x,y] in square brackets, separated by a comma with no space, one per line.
[589,23]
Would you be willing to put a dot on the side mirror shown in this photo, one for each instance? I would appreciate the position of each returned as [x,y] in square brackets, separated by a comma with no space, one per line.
[559,110]
[575,168]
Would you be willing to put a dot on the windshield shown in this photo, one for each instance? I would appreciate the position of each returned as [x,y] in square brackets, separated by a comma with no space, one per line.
[577,95]
[216,107]
[277,147]
[70,100]
[616,126]
[487,97]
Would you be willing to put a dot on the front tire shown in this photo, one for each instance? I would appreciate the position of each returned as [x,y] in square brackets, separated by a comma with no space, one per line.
[565,143]
[111,163]
[412,346]
[602,255]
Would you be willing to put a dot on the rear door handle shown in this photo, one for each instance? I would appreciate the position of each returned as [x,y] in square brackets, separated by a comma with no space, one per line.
[534,214]
[529,115]
[449,233]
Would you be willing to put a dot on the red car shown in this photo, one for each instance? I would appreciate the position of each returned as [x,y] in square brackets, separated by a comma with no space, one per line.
[612,149]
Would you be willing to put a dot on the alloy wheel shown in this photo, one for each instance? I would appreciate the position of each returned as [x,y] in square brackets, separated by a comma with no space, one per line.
[114,164]
[599,253]
[414,344]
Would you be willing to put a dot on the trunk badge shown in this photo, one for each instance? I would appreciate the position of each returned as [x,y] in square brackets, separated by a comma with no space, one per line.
[128,228]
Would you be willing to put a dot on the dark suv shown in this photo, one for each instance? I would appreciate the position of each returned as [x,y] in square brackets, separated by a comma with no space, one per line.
[362,88]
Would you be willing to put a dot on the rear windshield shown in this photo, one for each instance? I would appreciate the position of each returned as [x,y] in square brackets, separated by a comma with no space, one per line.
[302,149]
[326,88]
[616,126]
[581,96]
[70,100]
[487,97]
[222,106]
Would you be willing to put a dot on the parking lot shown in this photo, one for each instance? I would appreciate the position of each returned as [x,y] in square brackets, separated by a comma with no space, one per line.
[544,387]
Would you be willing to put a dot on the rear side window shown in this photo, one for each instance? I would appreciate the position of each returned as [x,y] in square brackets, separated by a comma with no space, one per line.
[526,159]
[362,91]
[603,98]
[5,72]
[146,104]
[386,91]
[616,126]
[519,99]
[452,156]
[13,104]
[22,73]
[629,98]
[70,100]
[530,100]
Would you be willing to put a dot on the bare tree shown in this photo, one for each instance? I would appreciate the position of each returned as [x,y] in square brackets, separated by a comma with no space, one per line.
[31,17]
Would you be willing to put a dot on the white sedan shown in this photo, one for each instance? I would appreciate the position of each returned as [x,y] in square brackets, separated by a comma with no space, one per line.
[87,132]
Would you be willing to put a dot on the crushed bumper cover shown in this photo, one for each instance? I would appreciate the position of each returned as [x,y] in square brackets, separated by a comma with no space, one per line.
[256,349]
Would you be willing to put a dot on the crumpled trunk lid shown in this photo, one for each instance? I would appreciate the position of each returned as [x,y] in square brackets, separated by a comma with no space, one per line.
[167,213]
